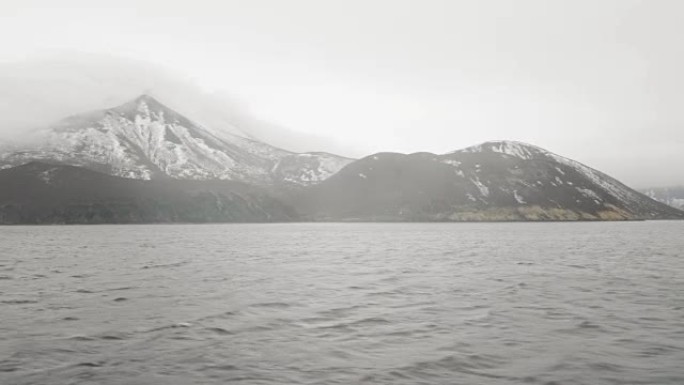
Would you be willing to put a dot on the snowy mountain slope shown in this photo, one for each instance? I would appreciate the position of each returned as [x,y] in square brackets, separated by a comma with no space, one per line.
[593,185]
[500,180]
[143,139]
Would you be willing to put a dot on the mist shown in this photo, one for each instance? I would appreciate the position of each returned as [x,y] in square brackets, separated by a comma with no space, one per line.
[39,91]
[599,82]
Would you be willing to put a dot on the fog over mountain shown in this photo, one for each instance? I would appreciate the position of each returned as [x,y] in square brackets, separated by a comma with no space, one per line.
[41,90]
[145,139]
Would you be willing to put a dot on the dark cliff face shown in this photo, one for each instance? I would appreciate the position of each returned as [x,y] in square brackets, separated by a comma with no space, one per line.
[492,181]
[39,193]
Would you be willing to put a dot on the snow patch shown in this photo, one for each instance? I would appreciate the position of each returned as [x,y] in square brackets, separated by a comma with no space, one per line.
[47,175]
[451,162]
[589,193]
[518,198]
[484,190]
[508,147]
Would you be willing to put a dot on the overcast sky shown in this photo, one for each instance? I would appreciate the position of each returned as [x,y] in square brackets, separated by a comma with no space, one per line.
[599,81]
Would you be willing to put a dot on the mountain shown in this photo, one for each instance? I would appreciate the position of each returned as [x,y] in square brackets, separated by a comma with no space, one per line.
[144,162]
[494,181]
[144,139]
[500,180]
[673,196]
[40,193]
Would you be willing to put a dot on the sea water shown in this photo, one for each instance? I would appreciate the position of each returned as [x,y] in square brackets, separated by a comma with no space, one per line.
[392,303]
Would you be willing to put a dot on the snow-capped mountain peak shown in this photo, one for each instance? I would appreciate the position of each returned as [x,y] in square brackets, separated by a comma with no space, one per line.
[509,147]
[144,139]
[147,107]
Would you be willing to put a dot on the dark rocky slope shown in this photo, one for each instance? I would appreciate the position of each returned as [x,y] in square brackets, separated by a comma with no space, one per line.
[40,193]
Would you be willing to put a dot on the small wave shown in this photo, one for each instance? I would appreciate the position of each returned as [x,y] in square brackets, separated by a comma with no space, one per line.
[371,321]
[18,301]
[410,305]
[219,331]
[120,288]
[182,325]
[357,287]
[108,336]
[167,327]
[105,337]
[588,325]
[388,293]
[659,350]
[276,305]
[472,364]
[90,364]
[340,311]
[114,336]
[82,338]
[606,367]
[165,265]
[581,327]
[257,328]
[226,314]
[225,367]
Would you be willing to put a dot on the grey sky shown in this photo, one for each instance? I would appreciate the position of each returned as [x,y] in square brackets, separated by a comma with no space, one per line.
[599,81]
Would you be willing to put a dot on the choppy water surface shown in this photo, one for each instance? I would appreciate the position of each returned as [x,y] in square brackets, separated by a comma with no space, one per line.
[575,303]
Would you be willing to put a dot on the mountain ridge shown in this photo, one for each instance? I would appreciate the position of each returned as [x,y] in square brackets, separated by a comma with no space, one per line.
[144,139]
[497,180]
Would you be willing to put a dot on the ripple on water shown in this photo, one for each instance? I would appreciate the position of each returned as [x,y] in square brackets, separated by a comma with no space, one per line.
[400,304]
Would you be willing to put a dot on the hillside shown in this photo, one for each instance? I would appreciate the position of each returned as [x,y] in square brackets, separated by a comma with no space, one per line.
[40,193]
[493,181]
